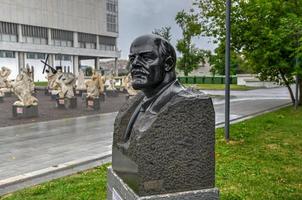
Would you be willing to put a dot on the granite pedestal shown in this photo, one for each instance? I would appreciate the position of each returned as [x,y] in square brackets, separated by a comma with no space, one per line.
[79,93]
[7,94]
[112,93]
[66,103]
[118,190]
[25,111]
[53,96]
[46,92]
[93,103]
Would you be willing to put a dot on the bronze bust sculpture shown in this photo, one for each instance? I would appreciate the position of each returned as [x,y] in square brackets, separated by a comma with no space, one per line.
[164,136]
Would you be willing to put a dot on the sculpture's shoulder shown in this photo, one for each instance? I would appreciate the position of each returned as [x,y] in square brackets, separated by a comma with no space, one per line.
[124,115]
[175,94]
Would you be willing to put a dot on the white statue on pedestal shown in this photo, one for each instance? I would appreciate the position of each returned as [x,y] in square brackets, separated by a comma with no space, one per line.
[65,84]
[127,83]
[110,83]
[95,86]
[23,88]
[81,81]
[52,77]
[5,84]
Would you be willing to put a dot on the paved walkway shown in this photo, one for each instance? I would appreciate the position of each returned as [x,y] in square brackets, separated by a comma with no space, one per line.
[32,147]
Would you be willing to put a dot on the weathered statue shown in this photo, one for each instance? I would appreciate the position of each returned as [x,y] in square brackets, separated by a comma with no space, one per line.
[81,81]
[99,81]
[164,137]
[65,84]
[23,88]
[127,84]
[110,83]
[5,84]
[52,77]
[29,73]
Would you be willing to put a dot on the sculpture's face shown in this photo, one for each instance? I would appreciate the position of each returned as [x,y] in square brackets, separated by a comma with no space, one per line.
[146,64]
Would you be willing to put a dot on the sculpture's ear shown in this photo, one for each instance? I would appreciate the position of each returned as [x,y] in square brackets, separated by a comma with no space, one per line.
[169,63]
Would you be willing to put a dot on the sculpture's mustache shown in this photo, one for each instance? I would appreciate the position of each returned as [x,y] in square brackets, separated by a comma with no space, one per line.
[139,71]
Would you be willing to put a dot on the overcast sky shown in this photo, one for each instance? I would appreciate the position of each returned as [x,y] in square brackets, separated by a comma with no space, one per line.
[138,17]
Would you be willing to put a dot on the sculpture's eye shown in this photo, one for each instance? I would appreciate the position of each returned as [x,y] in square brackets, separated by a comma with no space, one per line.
[131,58]
[148,57]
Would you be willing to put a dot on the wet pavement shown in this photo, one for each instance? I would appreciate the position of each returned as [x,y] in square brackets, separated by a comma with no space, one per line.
[31,147]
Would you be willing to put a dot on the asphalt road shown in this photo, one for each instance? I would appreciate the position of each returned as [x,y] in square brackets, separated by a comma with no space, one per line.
[31,147]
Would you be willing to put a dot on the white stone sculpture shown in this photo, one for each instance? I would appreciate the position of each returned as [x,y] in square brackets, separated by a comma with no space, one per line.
[81,81]
[52,77]
[95,86]
[65,84]
[5,84]
[23,89]
[110,83]
[127,84]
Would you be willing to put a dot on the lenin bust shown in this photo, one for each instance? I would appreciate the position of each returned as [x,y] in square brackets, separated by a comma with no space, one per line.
[164,136]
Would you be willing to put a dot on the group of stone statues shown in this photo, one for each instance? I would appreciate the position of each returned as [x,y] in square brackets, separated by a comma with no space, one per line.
[22,86]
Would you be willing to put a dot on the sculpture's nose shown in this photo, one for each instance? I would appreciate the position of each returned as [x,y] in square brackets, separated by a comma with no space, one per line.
[135,60]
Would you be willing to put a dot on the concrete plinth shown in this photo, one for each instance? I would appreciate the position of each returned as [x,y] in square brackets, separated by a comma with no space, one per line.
[25,111]
[7,94]
[66,103]
[80,92]
[93,103]
[102,97]
[53,96]
[47,92]
[112,93]
[118,190]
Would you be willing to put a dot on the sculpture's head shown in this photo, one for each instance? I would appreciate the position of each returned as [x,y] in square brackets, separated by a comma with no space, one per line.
[152,62]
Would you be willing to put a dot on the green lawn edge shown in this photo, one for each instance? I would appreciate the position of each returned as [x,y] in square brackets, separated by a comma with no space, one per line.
[221,87]
[262,161]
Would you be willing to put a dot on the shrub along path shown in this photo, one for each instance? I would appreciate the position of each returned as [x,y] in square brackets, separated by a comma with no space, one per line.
[263,161]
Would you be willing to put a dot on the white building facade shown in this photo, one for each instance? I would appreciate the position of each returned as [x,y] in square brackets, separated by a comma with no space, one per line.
[69,31]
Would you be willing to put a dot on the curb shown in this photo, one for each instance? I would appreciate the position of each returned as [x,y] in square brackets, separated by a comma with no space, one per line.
[13,184]
[245,117]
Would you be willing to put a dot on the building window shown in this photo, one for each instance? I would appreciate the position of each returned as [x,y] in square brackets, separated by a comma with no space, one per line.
[112,15]
[87,41]
[7,54]
[107,43]
[112,6]
[112,23]
[8,32]
[34,34]
[35,56]
[63,57]
[62,38]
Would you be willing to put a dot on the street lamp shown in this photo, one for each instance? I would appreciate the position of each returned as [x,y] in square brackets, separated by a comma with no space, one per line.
[227,71]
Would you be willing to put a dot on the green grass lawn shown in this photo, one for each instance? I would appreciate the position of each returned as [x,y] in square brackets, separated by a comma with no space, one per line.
[219,87]
[41,83]
[262,161]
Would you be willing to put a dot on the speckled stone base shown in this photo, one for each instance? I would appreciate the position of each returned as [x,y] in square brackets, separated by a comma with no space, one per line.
[7,94]
[79,93]
[66,103]
[93,103]
[25,112]
[118,190]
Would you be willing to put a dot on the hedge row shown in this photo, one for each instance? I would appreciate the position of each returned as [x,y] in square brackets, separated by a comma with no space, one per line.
[206,80]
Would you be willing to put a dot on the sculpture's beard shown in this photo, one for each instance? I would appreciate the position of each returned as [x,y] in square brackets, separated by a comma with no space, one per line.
[139,78]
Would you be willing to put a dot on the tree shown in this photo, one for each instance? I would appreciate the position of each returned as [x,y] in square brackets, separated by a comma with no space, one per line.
[164,32]
[264,32]
[191,55]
